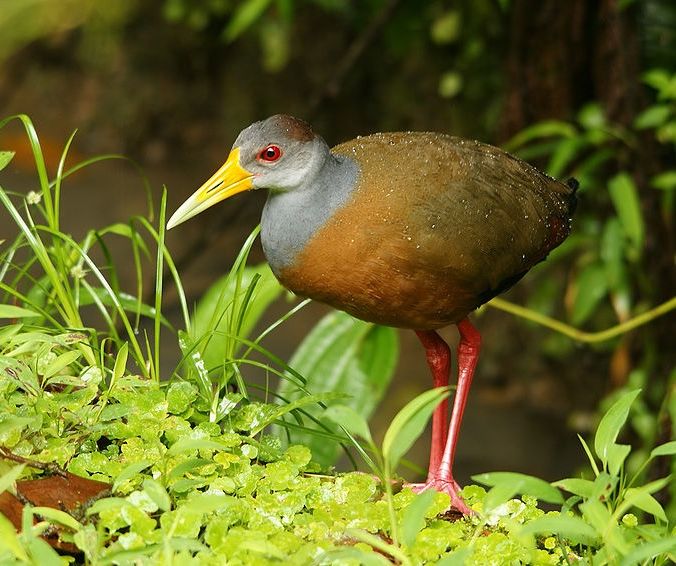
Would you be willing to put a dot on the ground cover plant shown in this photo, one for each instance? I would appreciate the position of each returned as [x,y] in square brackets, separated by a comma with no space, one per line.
[198,465]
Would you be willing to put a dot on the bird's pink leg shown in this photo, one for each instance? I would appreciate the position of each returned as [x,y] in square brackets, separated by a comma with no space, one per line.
[440,477]
[439,360]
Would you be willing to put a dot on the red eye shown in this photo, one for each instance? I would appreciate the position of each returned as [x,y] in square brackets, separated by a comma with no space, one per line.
[270,153]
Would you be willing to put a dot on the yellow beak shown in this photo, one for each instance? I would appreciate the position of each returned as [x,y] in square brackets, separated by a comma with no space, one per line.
[229,180]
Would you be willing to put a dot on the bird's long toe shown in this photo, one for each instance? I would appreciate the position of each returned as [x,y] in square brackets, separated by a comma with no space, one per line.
[450,487]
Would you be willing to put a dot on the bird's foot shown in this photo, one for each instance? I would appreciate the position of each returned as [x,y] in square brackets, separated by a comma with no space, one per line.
[450,487]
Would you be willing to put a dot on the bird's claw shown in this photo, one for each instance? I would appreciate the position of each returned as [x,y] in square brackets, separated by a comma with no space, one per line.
[450,487]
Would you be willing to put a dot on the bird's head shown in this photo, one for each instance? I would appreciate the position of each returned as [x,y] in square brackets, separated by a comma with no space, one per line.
[280,153]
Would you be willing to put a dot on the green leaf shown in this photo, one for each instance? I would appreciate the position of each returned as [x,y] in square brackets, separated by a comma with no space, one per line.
[639,497]
[345,355]
[9,539]
[624,195]
[350,419]
[409,423]
[617,454]
[578,486]
[523,484]
[446,28]
[56,516]
[572,528]
[157,493]
[664,181]
[544,129]
[120,362]
[591,287]
[41,552]
[591,116]
[653,116]
[5,158]
[244,17]
[129,472]
[8,478]
[413,520]
[611,423]
[214,315]
[667,449]
[642,552]
[456,558]
[11,311]
[62,361]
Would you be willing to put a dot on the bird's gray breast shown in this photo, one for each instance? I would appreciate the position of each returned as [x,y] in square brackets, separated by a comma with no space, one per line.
[291,218]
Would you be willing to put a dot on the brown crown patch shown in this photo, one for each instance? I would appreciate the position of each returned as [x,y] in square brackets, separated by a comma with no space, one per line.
[294,128]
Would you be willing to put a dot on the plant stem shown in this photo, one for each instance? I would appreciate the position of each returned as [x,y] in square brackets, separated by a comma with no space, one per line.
[576,333]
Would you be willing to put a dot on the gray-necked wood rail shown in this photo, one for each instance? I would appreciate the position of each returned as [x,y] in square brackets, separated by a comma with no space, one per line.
[413,230]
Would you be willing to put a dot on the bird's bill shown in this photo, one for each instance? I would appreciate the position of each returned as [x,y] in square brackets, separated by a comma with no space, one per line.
[229,180]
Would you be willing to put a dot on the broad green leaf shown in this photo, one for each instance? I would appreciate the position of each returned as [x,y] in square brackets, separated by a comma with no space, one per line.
[120,362]
[350,419]
[611,424]
[545,129]
[9,539]
[244,17]
[456,558]
[8,478]
[41,553]
[523,484]
[62,361]
[667,449]
[577,486]
[409,423]
[129,472]
[572,528]
[647,551]
[352,555]
[209,502]
[617,454]
[639,497]
[346,355]
[216,307]
[665,181]
[591,287]
[499,494]
[11,311]
[57,516]
[413,520]
[596,515]
[5,158]
[564,154]
[157,493]
[624,194]
[591,116]
[653,116]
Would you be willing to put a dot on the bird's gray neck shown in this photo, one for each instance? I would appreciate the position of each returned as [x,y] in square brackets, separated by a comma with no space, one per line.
[291,218]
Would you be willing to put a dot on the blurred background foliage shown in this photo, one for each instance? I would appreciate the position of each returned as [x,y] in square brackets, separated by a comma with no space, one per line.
[582,88]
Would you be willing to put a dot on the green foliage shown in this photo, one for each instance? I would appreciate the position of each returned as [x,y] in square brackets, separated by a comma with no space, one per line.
[344,355]
[194,476]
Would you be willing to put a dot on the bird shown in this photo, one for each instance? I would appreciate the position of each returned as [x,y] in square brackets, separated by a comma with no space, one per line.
[413,230]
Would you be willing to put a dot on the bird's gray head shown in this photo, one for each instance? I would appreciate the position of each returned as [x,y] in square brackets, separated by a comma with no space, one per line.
[281,153]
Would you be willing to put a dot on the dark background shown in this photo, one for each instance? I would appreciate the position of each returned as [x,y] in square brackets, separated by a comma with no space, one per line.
[170,83]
